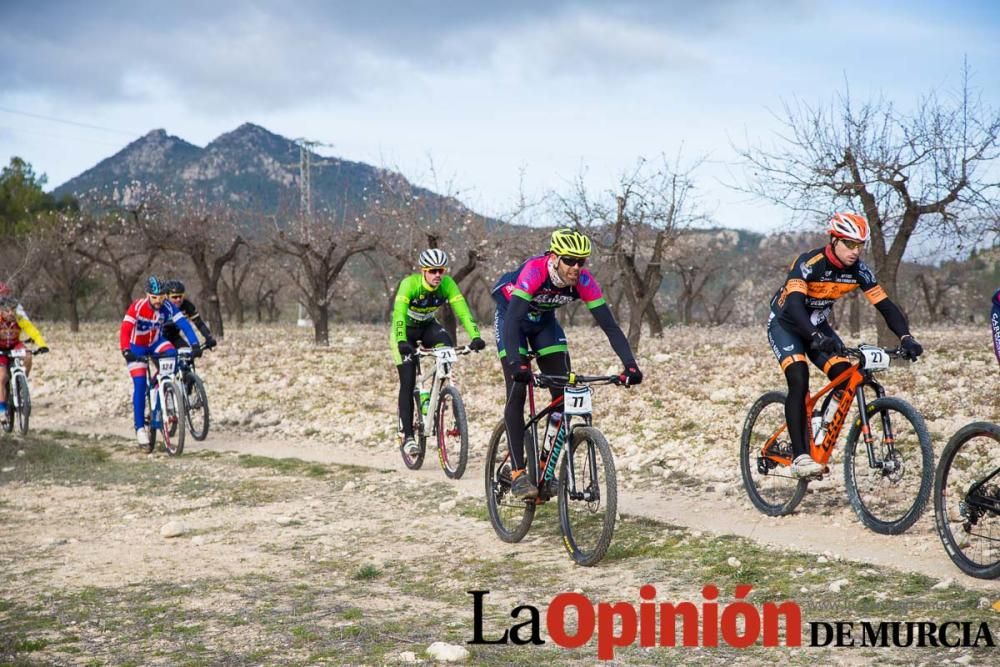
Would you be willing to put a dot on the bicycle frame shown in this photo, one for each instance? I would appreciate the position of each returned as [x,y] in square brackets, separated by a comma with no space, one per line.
[444,358]
[15,368]
[155,388]
[854,380]
[544,464]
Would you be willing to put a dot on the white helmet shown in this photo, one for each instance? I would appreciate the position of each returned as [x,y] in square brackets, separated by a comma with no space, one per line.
[433,258]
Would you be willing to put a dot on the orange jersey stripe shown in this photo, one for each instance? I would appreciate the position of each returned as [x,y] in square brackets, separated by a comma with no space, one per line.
[876,294]
[820,290]
[788,361]
[796,285]
[834,360]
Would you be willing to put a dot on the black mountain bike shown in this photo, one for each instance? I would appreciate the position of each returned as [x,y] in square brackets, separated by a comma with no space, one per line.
[198,415]
[967,499]
[587,486]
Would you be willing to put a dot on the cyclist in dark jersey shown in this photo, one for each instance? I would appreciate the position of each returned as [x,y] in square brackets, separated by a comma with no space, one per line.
[176,293]
[995,324]
[417,299]
[798,327]
[526,300]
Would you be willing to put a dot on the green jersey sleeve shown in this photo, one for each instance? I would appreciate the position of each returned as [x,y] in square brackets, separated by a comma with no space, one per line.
[449,289]
[408,287]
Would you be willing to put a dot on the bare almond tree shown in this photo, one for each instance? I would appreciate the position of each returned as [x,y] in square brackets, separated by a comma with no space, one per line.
[318,248]
[929,171]
[114,240]
[68,273]
[207,235]
[642,216]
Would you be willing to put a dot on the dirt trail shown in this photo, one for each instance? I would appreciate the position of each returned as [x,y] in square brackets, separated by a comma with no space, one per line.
[918,551]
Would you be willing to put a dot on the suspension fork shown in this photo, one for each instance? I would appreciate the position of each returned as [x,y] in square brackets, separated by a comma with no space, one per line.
[13,398]
[888,436]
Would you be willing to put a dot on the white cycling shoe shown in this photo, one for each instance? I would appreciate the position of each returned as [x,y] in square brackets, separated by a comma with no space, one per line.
[142,437]
[804,466]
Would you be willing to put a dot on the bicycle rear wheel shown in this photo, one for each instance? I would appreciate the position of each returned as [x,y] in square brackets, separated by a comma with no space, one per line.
[588,508]
[8,420]
[967,499]
[173,419]
[511,518]
[452,433]
[768,482]
[890,497]
[197,406]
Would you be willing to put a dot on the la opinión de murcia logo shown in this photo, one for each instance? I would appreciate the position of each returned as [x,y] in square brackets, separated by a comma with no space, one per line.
[572,620]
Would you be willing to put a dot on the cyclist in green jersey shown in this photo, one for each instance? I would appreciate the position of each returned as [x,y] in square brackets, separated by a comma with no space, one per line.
[418,297]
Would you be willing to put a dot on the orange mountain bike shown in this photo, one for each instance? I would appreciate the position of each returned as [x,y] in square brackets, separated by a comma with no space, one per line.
[888,481]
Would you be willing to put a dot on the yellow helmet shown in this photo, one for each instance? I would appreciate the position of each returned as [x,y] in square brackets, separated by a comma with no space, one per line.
[570,243]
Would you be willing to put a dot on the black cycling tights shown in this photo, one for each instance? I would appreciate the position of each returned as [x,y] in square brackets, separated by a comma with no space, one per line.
[513,415]
[797,375]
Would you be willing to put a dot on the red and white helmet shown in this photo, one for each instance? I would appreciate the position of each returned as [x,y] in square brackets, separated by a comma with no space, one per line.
[850,226]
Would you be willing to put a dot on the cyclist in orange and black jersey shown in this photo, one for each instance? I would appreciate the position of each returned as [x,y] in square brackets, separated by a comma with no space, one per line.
[995,324]
[798,328]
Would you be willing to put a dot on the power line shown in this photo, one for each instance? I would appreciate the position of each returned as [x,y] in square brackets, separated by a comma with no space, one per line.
[61,137]
[68,122]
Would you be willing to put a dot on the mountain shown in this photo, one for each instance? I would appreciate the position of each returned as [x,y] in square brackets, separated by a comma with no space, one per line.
[249,167]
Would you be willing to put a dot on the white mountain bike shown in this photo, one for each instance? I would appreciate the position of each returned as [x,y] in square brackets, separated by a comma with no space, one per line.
[439,414]
[18,395]
[166,407]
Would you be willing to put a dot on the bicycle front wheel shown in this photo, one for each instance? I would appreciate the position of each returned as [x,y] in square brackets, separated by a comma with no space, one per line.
[511,518]
[452,433]
[766,477]
[890,496]
[197,406]
[588,504]
[967,499]
[173,419]
[24,401]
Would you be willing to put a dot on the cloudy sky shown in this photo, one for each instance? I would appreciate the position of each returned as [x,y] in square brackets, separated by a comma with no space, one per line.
[497,97]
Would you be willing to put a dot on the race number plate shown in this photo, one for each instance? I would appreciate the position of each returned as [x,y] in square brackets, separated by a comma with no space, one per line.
[18,354]
[576,401]
[447,355]
[167,365]
[875,358]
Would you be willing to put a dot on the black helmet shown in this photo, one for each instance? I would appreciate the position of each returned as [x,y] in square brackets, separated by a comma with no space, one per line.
[155,286]
[174,287]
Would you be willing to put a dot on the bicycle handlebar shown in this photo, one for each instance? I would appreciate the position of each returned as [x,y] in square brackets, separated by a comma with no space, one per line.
[560,381]
[895,352]
[7,353]
[429,351]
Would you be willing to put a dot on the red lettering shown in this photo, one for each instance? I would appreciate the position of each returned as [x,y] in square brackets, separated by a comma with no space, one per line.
[555,620]
[607,640]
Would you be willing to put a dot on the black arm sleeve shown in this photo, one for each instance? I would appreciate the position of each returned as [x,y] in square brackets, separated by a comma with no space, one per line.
[194,317]
[516,310]
[894,317]
[795,310]
[619,343]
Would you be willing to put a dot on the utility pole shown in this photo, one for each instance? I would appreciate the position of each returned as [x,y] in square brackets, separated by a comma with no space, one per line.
[305,200]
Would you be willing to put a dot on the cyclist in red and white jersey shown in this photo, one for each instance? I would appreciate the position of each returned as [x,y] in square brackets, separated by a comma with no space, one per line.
[141,334]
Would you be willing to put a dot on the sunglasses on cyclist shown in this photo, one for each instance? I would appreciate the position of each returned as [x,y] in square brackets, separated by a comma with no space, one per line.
[176,296]
[436,272]
[852,245]
[573,261]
